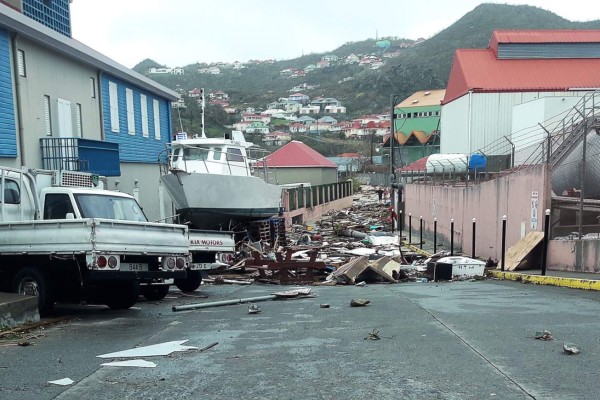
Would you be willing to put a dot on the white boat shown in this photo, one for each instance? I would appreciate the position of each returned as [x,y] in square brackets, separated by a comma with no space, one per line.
[212,182]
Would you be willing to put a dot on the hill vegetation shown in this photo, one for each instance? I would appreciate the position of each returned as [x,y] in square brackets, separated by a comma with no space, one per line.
[361,90]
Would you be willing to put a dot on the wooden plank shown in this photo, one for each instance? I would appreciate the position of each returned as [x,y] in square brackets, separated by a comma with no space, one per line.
[516,256]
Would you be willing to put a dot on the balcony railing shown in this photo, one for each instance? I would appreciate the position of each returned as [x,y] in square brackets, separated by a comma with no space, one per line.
[84,155]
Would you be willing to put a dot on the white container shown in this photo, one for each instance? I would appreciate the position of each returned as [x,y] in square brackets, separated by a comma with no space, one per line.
[464,266]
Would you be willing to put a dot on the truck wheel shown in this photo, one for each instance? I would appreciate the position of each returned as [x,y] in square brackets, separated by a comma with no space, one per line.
[123,296]
[32,282]
[191,283]
[154,292]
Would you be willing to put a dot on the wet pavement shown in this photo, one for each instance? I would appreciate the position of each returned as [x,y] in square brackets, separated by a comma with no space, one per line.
[452,340]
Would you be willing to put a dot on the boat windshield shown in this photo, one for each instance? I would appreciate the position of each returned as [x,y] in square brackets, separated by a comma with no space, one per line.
[110,207]
[195,153]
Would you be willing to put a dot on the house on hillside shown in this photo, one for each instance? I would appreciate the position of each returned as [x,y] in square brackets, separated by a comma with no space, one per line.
[265,119]
[417,126]
[518,81]
[257,127]
[296,162]
[299,98]
[276,138]
[63,105]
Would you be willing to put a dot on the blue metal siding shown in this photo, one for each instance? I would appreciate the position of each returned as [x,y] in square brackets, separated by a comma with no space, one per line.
[136,148]
[548,50]
[8,131]
[55,15]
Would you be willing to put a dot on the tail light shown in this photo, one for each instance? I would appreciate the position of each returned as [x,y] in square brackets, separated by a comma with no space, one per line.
[170,263]
[112,262]
[101,262]
[180,263]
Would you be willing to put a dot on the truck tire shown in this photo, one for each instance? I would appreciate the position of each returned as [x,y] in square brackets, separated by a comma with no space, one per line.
[32,282]
[191,283]
[123,295]
[154,292]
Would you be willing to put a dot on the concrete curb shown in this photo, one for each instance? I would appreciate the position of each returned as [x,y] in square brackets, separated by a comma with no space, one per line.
[16,309]
[573,283]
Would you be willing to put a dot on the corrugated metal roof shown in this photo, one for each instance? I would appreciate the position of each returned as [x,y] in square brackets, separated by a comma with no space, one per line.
[423,98]
[480,71]
[544,36]
[71,48]
[297,154]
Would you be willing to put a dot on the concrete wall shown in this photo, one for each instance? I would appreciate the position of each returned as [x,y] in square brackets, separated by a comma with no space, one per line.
[150,190]
[314,176]
[574,255]
[316,212]
[57,77]
[510,195]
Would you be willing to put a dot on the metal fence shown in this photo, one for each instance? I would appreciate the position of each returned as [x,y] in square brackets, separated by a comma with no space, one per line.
[301,197]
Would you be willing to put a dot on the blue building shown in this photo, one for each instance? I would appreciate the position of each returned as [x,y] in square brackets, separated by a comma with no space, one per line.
[63,105]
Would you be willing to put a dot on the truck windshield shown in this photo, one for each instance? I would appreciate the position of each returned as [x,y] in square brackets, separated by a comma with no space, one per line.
[110,207]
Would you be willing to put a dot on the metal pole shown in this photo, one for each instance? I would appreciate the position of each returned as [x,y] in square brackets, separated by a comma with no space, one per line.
[452,237]
[223,303]
[409,228]
[545,242]
[434,235]
[400,223]
[473,244]
[503,241]
[421,232]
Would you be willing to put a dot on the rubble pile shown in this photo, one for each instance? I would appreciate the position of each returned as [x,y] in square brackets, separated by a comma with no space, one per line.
[352,246]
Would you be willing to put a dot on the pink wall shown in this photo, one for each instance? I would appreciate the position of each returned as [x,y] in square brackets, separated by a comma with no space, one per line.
[574,255]
[509,195]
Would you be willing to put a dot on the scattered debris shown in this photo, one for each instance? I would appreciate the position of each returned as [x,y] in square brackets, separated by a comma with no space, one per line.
[324,305]
[359,302]
[254,309]
[570,349]
[63,382]
[208,347]
[373,335]
[361,283]
[160,349]
[543,335]
[130,363]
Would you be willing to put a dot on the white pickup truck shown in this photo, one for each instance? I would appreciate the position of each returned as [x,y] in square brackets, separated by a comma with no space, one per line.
[64,238]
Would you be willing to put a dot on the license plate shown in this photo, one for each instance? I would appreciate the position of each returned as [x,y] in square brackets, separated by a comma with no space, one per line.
[196,266]
[134,267]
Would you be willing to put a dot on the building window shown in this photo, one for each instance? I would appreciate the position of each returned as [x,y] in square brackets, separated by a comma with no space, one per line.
[93,87]
[47,118]
[144,104]
[130,112]
[79,121]
[156,109]
[113,100]
[21,62]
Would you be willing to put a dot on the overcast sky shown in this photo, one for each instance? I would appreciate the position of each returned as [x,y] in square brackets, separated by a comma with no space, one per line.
[182,32]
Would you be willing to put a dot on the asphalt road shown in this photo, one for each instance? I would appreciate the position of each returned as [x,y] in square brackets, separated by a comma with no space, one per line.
[458,340]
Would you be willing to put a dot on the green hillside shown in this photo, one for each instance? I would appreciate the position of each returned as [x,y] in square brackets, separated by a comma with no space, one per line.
[364,91]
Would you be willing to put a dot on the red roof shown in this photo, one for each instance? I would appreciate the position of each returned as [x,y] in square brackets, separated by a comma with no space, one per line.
[297,154]
[544,36]
[480,71]
[350,155]
[419,165]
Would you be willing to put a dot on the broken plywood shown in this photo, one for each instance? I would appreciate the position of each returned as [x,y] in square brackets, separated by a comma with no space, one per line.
[359,269]
[517,256]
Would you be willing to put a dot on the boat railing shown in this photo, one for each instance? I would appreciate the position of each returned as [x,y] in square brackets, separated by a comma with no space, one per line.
[228,162]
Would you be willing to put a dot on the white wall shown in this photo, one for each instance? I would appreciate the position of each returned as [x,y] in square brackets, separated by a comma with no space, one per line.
[477,120]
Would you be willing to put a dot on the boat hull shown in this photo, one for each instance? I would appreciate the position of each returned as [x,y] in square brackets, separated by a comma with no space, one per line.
[210,201]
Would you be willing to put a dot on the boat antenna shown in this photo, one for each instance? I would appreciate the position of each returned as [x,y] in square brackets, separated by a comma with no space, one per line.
[202,112]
